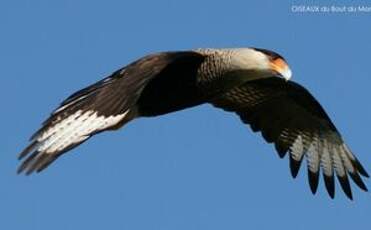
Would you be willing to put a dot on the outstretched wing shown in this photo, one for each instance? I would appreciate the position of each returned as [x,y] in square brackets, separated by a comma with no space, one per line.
[290,117]
[105,105]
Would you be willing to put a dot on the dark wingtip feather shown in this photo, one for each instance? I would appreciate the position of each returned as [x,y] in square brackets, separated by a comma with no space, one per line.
[29,171]
[295,166]
[313,179]
[357,179]
[344,182]
[35,162]
[45,162]
[254,127]
[27,150]
[360,168]
[20,169]
[27,163]
[354,160]
[330,185]
[280,150]
[267,136]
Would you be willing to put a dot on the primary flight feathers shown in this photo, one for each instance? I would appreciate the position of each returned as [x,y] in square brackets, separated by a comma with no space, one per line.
[253,83]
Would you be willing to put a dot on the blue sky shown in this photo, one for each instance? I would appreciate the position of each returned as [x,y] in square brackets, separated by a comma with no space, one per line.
[195,169]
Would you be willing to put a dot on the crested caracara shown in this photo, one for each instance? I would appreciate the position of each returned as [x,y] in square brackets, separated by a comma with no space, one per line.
[253,83]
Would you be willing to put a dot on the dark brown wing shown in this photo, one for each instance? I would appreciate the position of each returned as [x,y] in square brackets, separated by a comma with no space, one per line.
[105,105]
[290,117]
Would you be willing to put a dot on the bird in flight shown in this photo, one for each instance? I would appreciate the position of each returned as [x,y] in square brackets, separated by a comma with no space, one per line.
[251,82]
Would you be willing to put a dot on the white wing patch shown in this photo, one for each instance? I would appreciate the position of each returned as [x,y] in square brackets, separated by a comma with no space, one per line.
[326,160]
[74,129]
[313,156]
[296,148]
[347,163]
[338,164]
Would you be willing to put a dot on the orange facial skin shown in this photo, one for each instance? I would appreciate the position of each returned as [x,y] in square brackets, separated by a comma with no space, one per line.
[279,65]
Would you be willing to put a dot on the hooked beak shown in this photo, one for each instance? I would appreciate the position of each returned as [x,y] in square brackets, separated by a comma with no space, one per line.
[280,66]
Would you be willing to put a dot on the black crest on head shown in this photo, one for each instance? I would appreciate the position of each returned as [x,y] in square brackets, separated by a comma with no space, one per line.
[272,55]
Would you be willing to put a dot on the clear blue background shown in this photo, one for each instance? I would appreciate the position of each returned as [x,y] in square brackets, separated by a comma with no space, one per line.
[195,169]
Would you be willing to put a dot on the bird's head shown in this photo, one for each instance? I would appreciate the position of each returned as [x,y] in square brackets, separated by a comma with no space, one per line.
[264,63]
